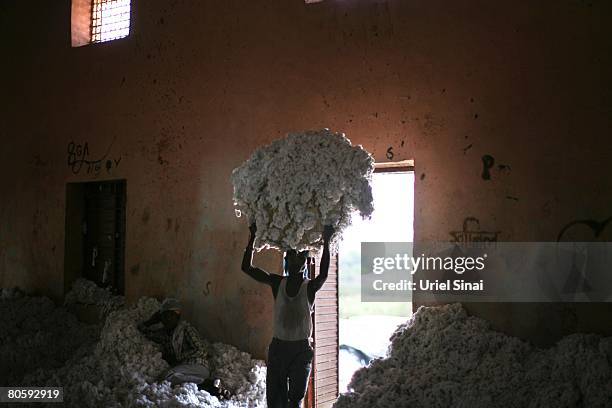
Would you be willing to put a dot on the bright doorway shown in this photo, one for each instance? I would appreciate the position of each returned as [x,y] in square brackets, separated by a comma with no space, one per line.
[365,327]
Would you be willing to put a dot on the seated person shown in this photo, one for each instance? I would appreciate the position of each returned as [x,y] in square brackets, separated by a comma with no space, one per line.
[182,348]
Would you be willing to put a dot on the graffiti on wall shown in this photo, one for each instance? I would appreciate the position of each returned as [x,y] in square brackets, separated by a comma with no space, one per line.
[584,262]
[597,227]
[79,158]
[207,289]
[488,165]
[472,233]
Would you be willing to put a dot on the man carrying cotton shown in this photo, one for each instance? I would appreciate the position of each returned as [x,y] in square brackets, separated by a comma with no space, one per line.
[290,353]
[182,348]
[297,209]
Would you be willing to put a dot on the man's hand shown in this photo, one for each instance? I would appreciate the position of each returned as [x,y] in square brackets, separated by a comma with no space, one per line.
[328,232]
[253,229]
[156,318]
[141,326]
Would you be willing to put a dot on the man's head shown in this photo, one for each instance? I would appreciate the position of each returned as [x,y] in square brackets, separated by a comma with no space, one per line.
[295,262]
[170,313]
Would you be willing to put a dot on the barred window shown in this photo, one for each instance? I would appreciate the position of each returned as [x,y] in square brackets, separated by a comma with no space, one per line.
[96,21]
[110,19]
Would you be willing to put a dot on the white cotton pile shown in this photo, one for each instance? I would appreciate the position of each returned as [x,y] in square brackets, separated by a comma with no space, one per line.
[443,358]
[296,185]
[163,395]
[87,292]
[245,377]
[123,369]
[153,395]
[36,334]
[10,293]
[120,360]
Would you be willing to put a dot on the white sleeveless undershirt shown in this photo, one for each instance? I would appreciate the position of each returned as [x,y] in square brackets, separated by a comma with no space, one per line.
[292,320]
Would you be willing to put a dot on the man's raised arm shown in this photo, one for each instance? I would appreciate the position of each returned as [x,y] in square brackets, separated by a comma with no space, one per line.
[247,261]
[318,282]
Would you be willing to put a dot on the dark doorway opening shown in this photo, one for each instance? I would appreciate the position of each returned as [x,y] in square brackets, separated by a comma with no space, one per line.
[95,234]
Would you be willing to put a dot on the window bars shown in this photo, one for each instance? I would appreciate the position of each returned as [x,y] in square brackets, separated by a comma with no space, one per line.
[110,20]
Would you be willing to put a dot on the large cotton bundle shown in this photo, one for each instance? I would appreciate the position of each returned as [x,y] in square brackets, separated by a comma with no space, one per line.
[294,186]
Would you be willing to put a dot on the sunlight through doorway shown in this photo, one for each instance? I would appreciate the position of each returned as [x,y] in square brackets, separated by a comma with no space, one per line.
[365,327]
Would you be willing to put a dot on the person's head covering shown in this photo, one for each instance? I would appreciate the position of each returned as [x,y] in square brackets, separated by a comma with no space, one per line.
[170,304]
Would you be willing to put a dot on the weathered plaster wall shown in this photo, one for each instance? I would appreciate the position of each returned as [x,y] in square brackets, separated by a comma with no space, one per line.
[198,85]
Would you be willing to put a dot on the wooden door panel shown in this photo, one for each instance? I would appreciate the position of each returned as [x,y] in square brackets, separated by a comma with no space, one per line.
[324,381]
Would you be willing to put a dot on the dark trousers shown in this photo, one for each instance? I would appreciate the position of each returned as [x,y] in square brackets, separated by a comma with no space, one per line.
[289,364]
